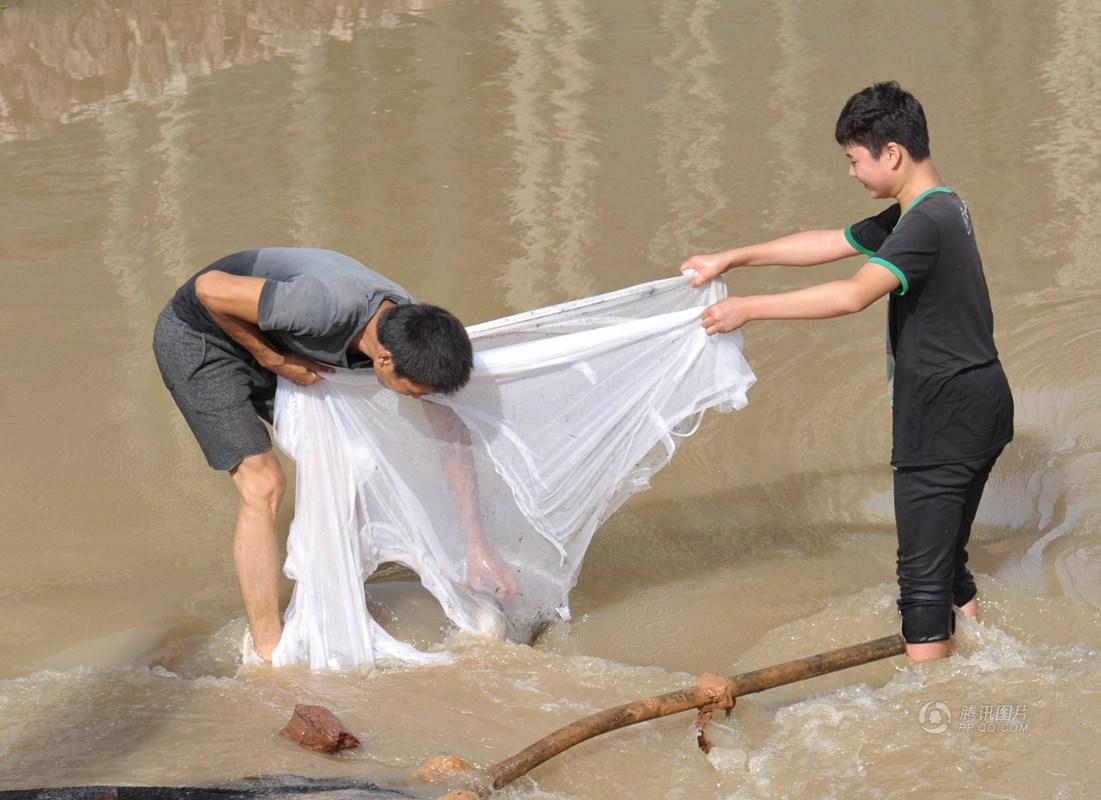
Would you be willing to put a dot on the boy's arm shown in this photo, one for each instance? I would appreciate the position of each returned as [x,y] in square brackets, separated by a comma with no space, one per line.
[233,302]
[833,299]
[805,249]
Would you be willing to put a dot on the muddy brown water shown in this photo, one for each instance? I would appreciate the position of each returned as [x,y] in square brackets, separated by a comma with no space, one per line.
[496,156]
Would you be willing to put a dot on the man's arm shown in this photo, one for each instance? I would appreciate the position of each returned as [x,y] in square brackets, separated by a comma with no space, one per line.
[806,249]
[833,299]
[483,566]
[233,302]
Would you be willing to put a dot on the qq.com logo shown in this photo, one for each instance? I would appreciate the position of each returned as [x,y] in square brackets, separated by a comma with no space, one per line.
[934,717]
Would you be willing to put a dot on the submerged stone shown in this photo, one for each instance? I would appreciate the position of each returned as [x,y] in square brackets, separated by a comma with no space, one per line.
[318,728]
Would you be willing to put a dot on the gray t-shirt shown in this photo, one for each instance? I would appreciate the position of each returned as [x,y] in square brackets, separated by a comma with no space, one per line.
[313,302]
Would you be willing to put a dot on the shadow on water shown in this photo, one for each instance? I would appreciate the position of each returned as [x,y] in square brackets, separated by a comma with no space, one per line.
[77,711]
[109,718]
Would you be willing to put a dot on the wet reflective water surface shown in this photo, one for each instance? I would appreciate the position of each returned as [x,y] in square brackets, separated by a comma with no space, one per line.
[495,156]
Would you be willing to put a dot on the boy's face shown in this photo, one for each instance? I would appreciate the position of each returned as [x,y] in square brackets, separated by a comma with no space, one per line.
[877,175]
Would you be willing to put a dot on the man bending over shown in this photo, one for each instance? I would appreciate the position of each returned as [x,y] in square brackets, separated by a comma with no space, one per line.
[236,325]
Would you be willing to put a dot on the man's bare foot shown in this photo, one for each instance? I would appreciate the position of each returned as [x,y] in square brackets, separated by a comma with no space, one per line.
[253,655]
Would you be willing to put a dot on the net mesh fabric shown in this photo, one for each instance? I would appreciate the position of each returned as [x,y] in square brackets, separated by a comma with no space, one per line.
[570,409]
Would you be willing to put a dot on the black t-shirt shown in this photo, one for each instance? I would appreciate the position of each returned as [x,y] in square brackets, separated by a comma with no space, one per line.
[951,398]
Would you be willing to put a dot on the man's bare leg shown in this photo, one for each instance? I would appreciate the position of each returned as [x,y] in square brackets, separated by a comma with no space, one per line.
[260,484]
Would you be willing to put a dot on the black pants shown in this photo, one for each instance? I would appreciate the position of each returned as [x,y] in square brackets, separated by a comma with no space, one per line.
[934,509]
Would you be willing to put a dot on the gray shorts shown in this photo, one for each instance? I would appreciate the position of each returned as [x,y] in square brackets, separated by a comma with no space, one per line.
[219,388]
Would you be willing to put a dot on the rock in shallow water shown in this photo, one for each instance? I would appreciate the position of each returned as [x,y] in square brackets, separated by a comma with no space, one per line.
[318,728]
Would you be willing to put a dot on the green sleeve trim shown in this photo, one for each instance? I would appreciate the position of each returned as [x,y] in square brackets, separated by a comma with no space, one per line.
[855,244]
[904,284]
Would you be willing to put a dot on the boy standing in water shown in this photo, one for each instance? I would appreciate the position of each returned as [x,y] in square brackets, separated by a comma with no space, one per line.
[952,408]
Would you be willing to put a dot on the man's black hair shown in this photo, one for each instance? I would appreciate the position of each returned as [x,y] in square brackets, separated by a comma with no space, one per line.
[429,346]
[884,113]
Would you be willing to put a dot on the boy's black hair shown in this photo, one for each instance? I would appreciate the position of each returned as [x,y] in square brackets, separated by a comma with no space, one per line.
[884,113]
[429,346]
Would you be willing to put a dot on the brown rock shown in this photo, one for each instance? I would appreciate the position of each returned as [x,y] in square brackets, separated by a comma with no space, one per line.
[317,728]
[440,768]
[460,794]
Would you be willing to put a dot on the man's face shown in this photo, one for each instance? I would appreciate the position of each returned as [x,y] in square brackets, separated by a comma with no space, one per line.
[384,371]
[877,175]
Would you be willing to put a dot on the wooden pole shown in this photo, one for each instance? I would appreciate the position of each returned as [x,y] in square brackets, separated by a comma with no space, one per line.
[611,719]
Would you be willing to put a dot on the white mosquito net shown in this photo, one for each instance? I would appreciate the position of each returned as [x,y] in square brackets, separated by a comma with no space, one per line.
[492,495]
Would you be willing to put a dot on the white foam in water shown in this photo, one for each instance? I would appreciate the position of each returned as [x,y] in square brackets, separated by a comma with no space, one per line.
[986,647]
[838,738]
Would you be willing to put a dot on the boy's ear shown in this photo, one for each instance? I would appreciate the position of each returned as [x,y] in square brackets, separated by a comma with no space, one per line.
[894,152]
[384,359]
